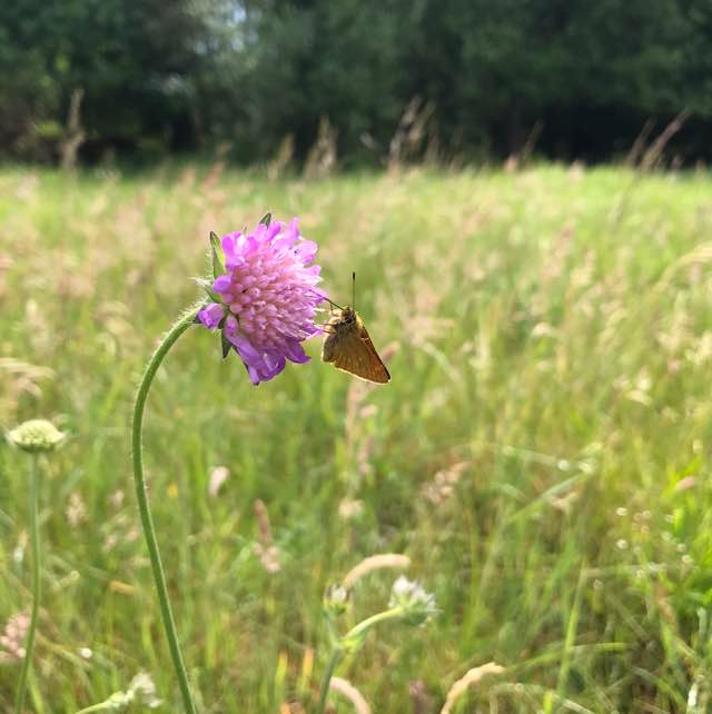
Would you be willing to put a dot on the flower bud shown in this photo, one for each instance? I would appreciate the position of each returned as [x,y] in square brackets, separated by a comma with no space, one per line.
[336,600]
[35,436]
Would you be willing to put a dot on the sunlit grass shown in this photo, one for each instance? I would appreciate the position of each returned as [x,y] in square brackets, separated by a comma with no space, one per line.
[542,453]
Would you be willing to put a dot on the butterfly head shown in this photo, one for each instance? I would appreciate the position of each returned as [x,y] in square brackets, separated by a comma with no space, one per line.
[344,317]
[348,314]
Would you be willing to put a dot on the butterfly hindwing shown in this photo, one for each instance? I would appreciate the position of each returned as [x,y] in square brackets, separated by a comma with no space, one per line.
[359,357]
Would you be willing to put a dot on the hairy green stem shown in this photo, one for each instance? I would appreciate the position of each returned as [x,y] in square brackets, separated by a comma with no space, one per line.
[336,654]
[102,707]
[350,641]
[142,496]
[359,630]
[36,583]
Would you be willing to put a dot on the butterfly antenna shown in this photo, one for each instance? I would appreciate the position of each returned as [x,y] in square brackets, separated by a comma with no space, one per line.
[333,304]
[353,290]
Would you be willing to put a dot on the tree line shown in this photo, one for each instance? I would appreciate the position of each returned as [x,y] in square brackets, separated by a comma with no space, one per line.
[452,79]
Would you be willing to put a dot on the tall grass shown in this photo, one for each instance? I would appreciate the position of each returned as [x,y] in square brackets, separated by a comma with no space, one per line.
[541,455]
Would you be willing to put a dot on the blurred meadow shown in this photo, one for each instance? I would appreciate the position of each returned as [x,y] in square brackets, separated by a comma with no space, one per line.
[541,454]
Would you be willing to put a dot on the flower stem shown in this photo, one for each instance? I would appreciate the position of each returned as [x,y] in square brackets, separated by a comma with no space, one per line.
[142,496]
[102,707]
[336,654]
[350,641]
[36,584]
[360,630]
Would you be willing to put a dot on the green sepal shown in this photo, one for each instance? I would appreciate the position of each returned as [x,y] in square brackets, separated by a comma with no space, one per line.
[226,345]
[216,255]
[266,219]
[207,286]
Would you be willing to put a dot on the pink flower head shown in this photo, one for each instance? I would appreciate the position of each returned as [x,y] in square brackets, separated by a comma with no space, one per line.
[265,300]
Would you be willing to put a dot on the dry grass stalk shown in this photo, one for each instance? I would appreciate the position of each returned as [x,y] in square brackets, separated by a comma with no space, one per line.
[410,132]
[359,437]
[76,510]
[74,134]
[374,562]
[528,149]
[306,672]
[354,398]
[346,689]
[218,476]
[321,160]
[434,154]
[282,159]
[419,698]
[267,552]
[18,378]
[520,158]
[390,351]
[6,263]
[636,151]
[470,679]
[214,175]
[443,484]
[356,413]
[651,158]
[700,255]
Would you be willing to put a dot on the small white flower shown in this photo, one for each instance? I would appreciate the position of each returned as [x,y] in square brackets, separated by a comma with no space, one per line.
[144,690]
[418,605]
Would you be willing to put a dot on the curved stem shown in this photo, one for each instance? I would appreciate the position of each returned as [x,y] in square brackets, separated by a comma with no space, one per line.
[36,584]
[102,707]
[142,496]
[360,630]
[350,641]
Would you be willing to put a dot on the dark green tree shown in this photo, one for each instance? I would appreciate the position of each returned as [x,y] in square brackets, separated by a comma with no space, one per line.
[162,75]
[133,59]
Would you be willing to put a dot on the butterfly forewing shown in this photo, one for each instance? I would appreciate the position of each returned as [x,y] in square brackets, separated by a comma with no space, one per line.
[348,345]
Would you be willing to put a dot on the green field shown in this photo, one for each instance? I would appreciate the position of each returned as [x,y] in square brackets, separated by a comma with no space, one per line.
[542,453]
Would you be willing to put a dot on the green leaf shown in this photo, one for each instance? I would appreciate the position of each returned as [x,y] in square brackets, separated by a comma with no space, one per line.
[216,255]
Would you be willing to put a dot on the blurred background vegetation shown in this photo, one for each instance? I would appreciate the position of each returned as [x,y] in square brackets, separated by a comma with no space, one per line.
[93,79]
[542,455]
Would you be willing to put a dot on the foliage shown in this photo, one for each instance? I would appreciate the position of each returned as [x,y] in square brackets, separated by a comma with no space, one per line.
[132,59]
[186,74]
[541,454]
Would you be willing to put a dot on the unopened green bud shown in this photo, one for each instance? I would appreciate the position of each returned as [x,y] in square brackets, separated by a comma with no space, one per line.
[336,599]
[35,436]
